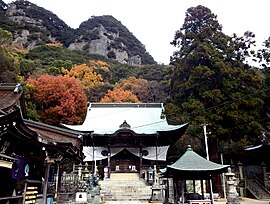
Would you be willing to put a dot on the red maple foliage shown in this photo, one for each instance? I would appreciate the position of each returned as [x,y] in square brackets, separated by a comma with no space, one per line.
[59,99]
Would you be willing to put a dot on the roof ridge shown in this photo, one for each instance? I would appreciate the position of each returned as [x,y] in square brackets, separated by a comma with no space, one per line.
[128,105]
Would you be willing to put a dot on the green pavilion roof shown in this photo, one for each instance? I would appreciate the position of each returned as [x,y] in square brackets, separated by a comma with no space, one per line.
[193,166]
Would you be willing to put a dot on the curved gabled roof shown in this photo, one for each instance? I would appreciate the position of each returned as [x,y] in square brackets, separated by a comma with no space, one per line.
[141,118]
[132,123]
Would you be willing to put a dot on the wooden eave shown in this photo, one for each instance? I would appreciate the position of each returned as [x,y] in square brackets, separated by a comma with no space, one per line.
[161,138]
[14,124]
[7,158]
[58,139]
[55,134]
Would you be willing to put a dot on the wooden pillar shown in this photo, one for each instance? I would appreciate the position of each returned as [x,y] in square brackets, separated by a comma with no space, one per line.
[211,190]
[141,155]
[59,186]
[24,192]
[157,153]
[202,188]
[175,190]
[45,186]
[194,186]
[57,179]
[183,191]
[94,161]
[109,162]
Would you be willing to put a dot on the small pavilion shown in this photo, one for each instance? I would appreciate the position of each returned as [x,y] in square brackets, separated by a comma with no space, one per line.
[191,166]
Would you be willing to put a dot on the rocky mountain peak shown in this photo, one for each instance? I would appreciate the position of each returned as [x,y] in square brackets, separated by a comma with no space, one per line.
[101,35]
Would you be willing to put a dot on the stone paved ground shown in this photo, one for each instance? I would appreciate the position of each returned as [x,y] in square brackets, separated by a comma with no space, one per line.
[219,201]
[123,202]
[130,202]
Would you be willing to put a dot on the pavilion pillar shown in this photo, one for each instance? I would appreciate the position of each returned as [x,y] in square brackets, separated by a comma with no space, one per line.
[211,190]
[194,186]
[202,188]
[183,191]
[109,162]
[141,154]
[94,160]
[157,152]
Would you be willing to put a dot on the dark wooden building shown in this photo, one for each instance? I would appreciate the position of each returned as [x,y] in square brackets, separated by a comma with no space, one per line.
[127,137]
[28,149]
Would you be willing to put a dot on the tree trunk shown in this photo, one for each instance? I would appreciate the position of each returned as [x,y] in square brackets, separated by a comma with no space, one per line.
[214,157]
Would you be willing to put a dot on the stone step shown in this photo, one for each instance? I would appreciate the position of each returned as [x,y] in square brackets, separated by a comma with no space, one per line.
[125,187]
[122,183]
[124,176]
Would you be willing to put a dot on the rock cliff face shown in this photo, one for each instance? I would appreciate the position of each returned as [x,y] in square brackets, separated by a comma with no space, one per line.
[102,45]
[33,25]
[101,35]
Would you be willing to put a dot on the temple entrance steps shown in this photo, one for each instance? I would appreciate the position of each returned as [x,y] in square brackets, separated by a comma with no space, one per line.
[125,176]
[125,187]
[257,189]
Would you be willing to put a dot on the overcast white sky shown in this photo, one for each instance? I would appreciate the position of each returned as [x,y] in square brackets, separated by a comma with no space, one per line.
[154,22]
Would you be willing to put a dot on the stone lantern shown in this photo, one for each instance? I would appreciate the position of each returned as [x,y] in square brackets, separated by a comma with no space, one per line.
[232,195]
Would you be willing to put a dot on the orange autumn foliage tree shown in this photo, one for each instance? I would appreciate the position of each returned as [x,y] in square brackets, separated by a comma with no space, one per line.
[102,68]
[119,95]
[54,44]
[86,75]
[59,99]
[100,65]
[138,87]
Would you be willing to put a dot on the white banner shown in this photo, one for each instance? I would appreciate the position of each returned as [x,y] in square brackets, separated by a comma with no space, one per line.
[149,153]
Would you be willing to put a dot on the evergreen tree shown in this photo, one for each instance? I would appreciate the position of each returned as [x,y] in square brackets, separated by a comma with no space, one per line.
[212,85]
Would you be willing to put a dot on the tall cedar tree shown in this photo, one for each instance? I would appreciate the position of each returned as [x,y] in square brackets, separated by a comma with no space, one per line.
[264,60]
[59,99]
[212,85]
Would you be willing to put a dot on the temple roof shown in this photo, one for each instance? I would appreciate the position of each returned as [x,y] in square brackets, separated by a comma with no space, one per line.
[10,95]
[193,166]
[141,118]
[55,135]
[55,139]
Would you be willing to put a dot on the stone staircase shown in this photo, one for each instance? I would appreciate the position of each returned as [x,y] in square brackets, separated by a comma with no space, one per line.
[257,189]
[125,187]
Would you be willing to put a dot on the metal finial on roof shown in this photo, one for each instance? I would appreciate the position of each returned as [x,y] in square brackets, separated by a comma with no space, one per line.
[189,148]
[124,125]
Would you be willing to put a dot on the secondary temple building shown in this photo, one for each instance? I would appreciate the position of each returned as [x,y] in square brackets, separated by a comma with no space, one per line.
[30,150]
[126,137]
